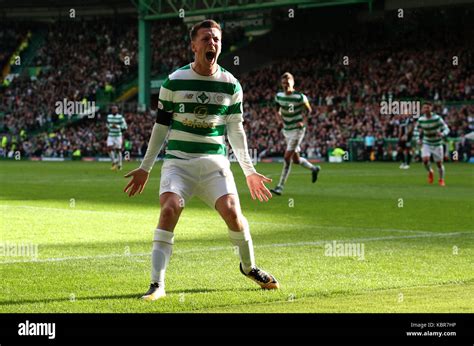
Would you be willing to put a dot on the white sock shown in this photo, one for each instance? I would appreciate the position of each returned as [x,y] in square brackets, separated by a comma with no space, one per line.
[112,155]
[284,173]
[305,163]
[120,158]
[243,241]
[160,256]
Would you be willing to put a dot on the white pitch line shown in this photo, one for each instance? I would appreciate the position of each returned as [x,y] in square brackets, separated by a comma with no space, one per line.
[227,248]
[342,228]
[134,213]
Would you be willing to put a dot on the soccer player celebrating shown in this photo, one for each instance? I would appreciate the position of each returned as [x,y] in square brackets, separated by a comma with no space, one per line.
[197,104]
[115,124]
[294,127]
[432,129]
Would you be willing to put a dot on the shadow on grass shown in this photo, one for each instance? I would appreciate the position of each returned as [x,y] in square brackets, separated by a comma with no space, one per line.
[114,296]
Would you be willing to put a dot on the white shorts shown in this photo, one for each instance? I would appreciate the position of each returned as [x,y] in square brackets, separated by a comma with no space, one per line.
[207,178]
[294,139]
[114,142]
[436,151]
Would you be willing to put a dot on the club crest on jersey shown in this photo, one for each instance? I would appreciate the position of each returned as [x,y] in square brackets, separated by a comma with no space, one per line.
[200,112]
[219,98]
[203,98]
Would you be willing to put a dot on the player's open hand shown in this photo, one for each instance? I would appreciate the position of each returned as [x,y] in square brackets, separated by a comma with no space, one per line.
[256,183]
[138,182]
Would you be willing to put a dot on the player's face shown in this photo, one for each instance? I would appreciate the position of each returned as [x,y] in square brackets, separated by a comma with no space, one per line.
[114,110]
[426,109]
[287,84]
[206,46]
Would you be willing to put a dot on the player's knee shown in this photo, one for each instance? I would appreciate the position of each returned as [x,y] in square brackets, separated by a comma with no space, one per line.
[232,214]
[169,211]
[233,218]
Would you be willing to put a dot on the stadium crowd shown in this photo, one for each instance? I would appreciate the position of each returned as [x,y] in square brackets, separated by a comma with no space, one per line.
[328,128]
[345,97]
[104,54]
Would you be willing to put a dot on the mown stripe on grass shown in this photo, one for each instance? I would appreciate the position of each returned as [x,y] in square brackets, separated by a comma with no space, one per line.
[228,248]
[137,214]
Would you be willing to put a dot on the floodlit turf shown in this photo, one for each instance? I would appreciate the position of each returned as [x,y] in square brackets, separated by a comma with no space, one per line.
[94,242]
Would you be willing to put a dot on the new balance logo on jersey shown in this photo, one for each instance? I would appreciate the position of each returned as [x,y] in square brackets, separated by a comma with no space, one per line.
[37,329]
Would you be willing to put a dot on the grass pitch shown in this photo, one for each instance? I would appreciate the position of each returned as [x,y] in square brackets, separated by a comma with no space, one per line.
[94,242]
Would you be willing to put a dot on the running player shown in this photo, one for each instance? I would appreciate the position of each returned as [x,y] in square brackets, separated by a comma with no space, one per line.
[198,103]
[115,124]
[432,129]
[291,105]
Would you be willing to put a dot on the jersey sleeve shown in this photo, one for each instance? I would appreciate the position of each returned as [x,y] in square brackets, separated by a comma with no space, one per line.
[165,99]
[305,98]
[165,103]
[445,129]
[124,123]
[235,111]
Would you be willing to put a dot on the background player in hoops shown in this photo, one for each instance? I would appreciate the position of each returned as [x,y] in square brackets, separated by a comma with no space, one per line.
[292,104]
[432,129]
[198,103]
[115,124]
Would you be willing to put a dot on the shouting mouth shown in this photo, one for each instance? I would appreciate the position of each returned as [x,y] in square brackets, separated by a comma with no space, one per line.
[210,56]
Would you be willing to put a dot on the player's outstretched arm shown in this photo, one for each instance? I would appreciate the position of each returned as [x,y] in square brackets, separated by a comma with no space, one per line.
[255,181]
[140,175]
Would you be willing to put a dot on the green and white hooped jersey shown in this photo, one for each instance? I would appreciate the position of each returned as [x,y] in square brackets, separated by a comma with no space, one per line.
[291,108]
[201,107]
[116,119]
[431,127]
